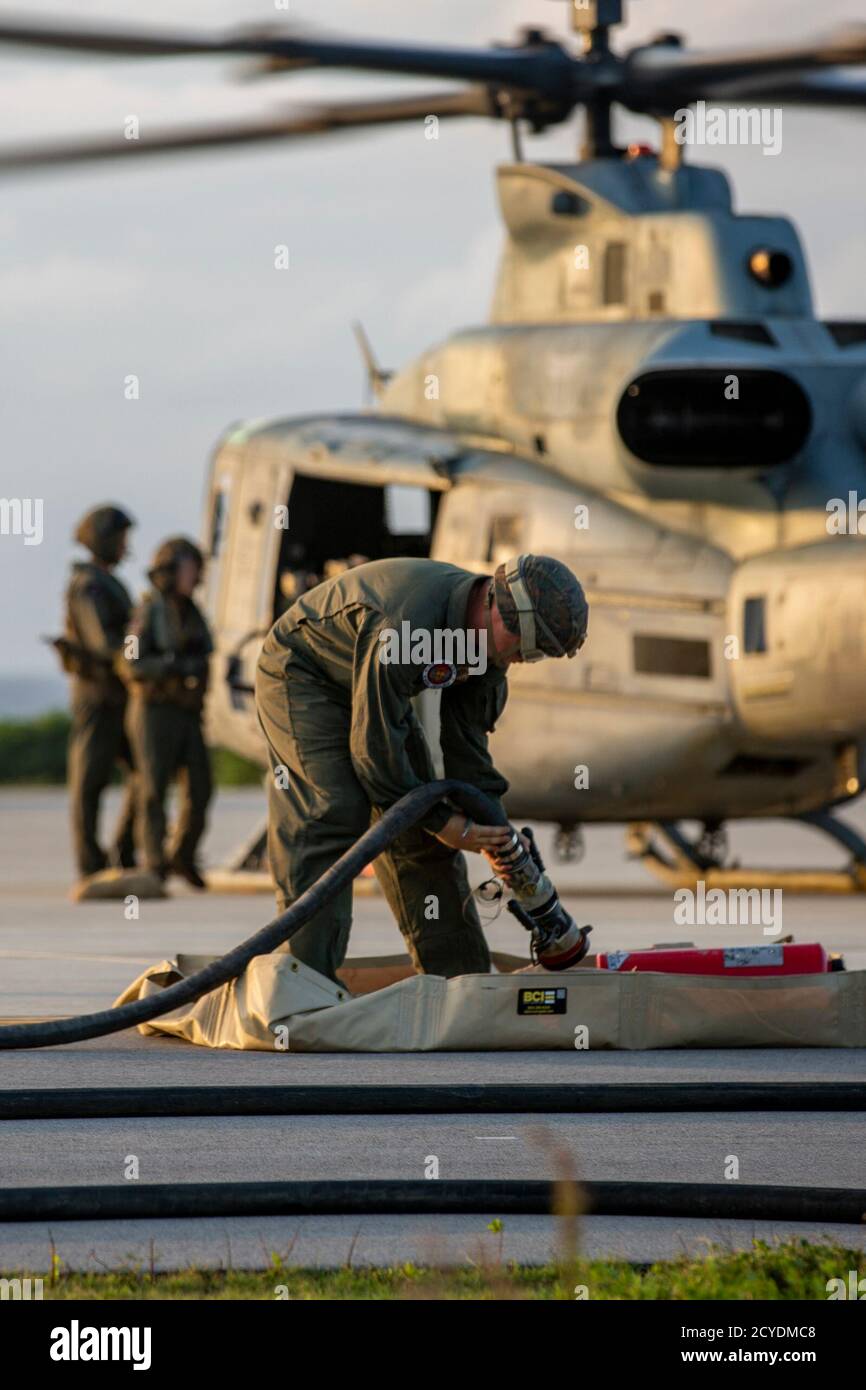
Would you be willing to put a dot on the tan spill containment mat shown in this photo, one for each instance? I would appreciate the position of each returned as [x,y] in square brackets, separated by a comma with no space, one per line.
[280,1004]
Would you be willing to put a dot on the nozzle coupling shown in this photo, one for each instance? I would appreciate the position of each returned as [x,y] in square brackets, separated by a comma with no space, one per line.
[556,940]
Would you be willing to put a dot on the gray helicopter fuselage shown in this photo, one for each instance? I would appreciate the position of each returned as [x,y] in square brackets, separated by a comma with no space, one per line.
[603,417]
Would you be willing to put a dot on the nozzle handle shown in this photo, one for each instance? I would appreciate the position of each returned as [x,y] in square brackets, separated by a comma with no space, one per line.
[533,849]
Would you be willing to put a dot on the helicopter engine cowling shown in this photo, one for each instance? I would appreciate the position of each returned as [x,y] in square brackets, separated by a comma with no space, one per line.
[798,622]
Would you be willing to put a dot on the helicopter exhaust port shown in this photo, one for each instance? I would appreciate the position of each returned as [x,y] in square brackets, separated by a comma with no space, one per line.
[682,417]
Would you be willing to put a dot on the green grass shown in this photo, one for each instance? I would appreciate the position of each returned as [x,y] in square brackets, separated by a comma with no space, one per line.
[33,753]
[34,750]
[787,1270]
[229,770]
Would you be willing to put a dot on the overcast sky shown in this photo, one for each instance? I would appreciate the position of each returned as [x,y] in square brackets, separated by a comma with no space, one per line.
[165,269]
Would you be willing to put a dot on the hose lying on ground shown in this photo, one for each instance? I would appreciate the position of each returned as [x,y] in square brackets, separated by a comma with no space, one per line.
[450,1098]
[393,822]
[413,1196]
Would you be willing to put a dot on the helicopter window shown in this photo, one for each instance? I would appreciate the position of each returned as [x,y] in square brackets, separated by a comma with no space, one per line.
[671,656]
[755,625]
[567,204]
[217,525]
[745,332]
[505,535]
[614,273]
[724,417]
[747,765]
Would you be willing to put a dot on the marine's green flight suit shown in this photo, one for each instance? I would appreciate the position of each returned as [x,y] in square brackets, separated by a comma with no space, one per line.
[345,740]
[168,681]
[97,615]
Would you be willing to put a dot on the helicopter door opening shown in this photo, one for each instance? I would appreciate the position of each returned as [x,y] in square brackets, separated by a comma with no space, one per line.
[335,525]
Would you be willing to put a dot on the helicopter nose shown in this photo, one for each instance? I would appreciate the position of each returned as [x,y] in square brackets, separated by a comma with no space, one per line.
[799,660]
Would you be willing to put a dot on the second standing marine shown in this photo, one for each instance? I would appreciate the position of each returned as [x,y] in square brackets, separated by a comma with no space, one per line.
[167,676]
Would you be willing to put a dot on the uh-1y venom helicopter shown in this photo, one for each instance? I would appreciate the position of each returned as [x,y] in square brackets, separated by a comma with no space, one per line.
[653,401]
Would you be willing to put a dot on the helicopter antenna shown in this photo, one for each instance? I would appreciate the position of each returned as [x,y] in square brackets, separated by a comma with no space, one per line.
[516,142]
[377,377]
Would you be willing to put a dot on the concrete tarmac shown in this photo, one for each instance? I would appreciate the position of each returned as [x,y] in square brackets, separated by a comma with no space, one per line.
[64,958]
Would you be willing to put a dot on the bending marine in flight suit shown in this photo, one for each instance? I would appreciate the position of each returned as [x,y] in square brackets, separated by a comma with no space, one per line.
[167,681]
[345,743]
[96,622]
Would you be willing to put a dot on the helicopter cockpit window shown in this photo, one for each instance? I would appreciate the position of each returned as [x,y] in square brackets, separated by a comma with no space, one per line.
[724,417]
[504,538]
[755,625]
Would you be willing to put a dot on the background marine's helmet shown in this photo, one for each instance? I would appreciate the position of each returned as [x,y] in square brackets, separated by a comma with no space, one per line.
[166,558]
[102,531]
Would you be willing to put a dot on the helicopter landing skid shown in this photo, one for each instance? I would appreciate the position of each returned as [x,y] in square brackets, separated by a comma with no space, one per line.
[680,862]
[246,871]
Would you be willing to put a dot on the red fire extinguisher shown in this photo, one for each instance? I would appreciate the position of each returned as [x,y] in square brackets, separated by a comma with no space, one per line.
[778,958]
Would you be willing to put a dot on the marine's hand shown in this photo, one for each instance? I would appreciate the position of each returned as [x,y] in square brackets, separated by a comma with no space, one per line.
[491,854]
[477,838]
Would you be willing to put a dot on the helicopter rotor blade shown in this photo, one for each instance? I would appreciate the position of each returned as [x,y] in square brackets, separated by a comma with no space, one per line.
[121,43]
[313,120]
[536,79]
[832,89]
[663,70]
[538,65]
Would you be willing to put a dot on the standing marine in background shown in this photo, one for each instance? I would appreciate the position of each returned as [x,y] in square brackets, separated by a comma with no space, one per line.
[167,673]
[98,607]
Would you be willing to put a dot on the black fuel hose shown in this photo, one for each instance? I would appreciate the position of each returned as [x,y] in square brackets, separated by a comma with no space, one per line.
[398,818]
